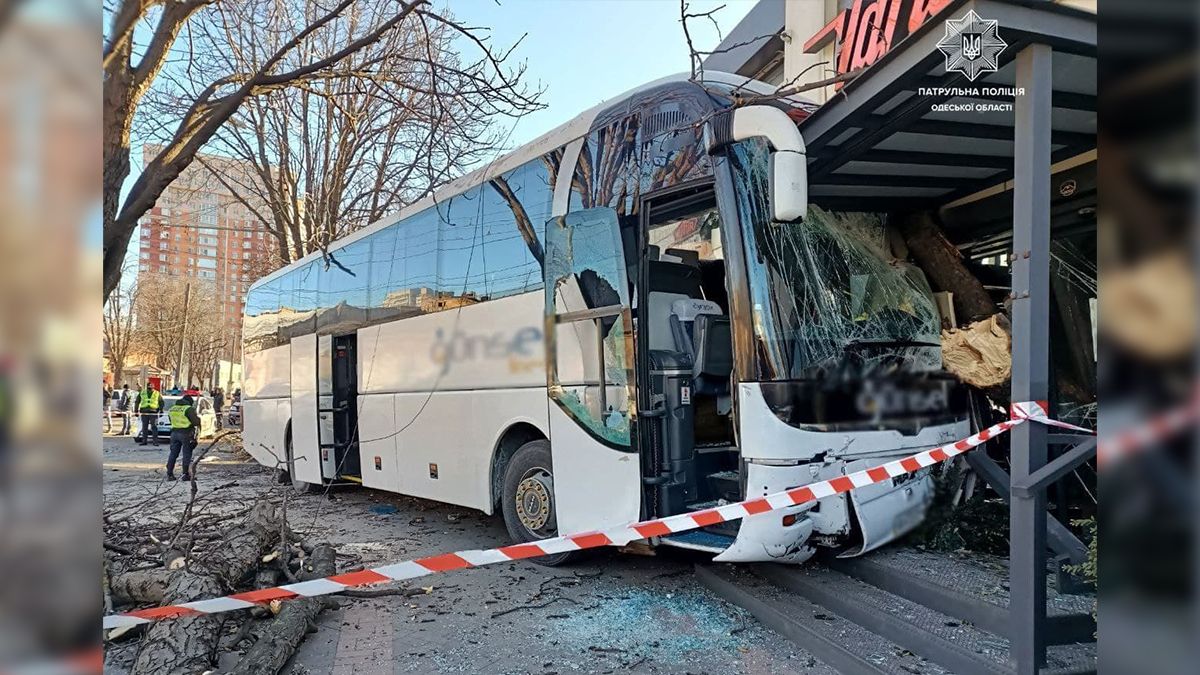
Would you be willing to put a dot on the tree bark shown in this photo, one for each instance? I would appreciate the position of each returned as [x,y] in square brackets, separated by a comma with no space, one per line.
[943,264]
[276,645]
[140,586]
[189,644]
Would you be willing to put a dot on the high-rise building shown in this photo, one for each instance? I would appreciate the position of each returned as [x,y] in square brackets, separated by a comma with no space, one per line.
[199,230]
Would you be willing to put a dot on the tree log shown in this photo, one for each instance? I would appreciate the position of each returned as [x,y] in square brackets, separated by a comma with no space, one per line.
[140,586]
[980,354]
[277,643]
[943,264]
[189,644]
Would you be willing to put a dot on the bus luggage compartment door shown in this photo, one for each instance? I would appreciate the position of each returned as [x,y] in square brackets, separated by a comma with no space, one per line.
[305,462]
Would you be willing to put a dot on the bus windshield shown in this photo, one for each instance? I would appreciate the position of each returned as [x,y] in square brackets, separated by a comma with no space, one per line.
[825,295]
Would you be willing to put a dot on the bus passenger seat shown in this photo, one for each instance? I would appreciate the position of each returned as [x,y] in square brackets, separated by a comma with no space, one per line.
[702,331]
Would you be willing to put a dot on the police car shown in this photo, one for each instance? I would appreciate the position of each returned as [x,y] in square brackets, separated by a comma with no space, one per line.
[204,408]
[234,416]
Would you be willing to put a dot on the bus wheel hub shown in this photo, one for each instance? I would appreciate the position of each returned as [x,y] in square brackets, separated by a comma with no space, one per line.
[533,500]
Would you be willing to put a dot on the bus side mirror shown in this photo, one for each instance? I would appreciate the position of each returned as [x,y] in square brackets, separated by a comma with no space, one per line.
[789,185]
[788,163]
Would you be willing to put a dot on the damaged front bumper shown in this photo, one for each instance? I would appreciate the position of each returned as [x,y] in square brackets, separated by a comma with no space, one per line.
[853,523]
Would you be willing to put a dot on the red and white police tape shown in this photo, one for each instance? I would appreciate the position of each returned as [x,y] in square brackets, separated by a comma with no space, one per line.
[1142,436]
[614,536]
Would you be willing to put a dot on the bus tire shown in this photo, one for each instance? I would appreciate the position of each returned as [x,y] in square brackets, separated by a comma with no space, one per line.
[528,499]
[299,486]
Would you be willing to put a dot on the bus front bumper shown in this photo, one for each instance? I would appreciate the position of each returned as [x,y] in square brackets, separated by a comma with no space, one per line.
[853,523]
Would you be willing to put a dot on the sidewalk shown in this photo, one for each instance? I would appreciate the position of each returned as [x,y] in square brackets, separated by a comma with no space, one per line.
[611,612]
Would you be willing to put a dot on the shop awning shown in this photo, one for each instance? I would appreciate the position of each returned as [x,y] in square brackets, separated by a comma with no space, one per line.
[900,137]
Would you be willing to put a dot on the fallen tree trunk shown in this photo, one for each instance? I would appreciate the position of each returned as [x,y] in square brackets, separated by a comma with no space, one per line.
[980,355]
[280,639]
[979,351]
[143,587]
[944,266]
[189,644]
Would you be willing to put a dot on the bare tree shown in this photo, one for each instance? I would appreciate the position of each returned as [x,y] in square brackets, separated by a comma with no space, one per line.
[119,328]
[270,47]
[789,88]
[175,320]
[204,352]
[379,131]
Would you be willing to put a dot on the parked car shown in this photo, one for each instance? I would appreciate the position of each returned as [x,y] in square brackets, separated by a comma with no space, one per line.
[234,415]
[204,408]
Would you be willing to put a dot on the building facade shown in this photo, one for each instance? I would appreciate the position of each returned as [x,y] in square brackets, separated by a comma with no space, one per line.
[199,230]
[794,42]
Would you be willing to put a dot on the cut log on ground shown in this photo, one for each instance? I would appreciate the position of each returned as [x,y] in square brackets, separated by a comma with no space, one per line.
[285,632]
[189,644]
[143,587]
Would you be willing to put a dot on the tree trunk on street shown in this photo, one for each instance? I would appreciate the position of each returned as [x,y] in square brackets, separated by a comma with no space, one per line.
[140,586]
[189,644]
[281,638]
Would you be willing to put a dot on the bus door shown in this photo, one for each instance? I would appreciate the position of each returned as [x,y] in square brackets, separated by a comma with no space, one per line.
[341,432]
[686,362]
[325,434]
[304,461]
[589,356]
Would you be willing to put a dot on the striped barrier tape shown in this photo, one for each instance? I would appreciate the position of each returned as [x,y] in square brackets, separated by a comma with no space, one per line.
[1157,428]
[1036,410]
[614,536]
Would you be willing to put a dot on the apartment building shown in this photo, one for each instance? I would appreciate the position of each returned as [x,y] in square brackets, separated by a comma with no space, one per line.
[199,230]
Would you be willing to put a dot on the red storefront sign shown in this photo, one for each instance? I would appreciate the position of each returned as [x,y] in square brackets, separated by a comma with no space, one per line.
[869,28]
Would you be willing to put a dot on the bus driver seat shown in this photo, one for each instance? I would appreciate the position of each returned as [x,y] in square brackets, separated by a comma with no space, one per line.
[702,332]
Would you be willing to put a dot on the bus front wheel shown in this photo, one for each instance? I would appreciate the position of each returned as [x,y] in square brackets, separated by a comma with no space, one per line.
[528,499]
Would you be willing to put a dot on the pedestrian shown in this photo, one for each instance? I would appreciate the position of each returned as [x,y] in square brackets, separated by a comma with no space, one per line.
[184,424]
[218,398]
[123,408]
[108,400]
[237,395]
[149,405]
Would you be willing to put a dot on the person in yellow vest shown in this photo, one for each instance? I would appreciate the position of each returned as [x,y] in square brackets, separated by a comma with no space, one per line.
[149,405]
[184,425]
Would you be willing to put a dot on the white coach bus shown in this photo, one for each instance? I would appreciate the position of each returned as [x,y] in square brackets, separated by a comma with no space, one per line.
[634,316]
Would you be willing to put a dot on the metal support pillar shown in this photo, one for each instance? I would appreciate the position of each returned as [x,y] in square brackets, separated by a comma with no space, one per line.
[1060,539]
[1030,353]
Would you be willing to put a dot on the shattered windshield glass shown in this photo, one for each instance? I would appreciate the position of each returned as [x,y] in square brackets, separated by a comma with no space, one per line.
[826,296]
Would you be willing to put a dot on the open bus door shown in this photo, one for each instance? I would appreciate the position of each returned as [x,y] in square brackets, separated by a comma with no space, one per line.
[304,454]
[589,358]
[324,424]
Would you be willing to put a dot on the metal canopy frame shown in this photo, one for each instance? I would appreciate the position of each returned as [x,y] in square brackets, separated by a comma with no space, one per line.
[878,145]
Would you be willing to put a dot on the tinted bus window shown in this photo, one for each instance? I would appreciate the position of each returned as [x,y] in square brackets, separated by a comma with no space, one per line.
[259,330]
[402,266]
[344,282]
[515,237]
[461,251]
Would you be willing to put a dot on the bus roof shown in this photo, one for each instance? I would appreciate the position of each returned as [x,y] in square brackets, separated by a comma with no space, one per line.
[551,140]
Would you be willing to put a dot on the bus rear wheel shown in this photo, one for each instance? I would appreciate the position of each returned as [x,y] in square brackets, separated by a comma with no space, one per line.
[528,499]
